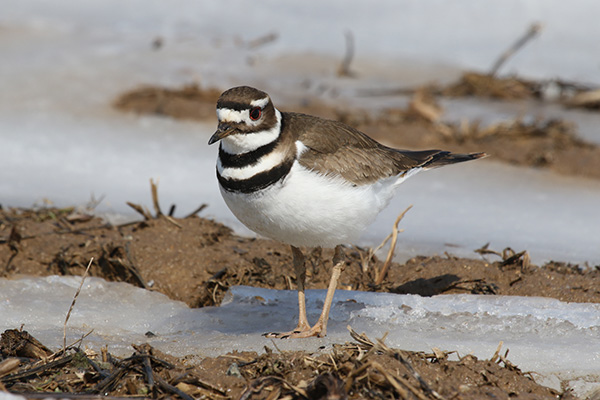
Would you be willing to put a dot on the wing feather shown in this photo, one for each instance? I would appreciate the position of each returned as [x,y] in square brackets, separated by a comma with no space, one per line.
[336,149]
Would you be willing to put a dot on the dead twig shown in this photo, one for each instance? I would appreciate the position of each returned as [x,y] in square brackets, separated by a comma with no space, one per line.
[106,384]
[73,305]
[9,365]
[532,32]
[144,212]
[499,358]
[262,40]
[257,385]
[172,220]
[196,381]
[484,250]
[38,369]
[78,341]
[61,352]
[171,389]
[140,210]
[147,368]
[439,355]
[362,339]
[197,210]
[367,344]
[344,68]
[497,352]
[508,255]
[513,258]
[424,385]
[380,276]
[154,190]
[586,99]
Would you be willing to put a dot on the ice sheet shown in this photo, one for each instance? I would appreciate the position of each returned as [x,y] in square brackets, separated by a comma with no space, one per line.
[558,340]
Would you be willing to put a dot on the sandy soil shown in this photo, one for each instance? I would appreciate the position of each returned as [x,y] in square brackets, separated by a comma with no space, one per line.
[195,260]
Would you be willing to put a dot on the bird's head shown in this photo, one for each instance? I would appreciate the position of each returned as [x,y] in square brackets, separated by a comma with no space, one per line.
[247,119]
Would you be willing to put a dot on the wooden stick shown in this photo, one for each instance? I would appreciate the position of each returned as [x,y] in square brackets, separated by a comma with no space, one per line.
[196,211]
[388,260]
[344,68]
[141,210]
[154,190]
[532,32]
[73,305]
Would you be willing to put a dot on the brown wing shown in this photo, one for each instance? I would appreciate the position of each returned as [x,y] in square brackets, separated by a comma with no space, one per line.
[336,149]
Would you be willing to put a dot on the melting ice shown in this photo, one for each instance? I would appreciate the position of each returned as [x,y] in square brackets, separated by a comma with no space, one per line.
[555,339]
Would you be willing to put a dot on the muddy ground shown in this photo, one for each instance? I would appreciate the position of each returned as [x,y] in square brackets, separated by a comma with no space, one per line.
[196,260]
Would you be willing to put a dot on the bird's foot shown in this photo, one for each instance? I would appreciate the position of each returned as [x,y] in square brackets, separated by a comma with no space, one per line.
[300,332]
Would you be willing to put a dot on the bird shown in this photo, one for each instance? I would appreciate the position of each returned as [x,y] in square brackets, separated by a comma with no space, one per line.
[307,181]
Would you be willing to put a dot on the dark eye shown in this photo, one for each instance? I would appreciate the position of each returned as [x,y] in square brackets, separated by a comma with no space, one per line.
[255,113]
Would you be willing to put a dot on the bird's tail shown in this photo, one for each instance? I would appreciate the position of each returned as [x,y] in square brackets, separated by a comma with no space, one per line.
[446,158]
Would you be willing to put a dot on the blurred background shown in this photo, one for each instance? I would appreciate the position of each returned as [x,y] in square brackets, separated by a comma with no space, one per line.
[63,64]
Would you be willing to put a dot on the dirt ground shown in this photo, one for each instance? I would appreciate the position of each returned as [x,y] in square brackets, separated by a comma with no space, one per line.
[196,260]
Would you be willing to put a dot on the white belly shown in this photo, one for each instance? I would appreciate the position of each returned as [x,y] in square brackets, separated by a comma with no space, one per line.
[307,209]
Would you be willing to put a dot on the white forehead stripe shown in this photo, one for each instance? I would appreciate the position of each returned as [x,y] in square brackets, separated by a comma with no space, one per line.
[260,102]
[229,115]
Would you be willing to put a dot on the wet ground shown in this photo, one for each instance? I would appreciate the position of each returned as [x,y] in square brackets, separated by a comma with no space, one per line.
[196,260]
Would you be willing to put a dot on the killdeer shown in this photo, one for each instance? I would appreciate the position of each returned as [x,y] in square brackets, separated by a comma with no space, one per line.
[307,181]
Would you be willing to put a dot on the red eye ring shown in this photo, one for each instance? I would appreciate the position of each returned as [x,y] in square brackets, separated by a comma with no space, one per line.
[255,113]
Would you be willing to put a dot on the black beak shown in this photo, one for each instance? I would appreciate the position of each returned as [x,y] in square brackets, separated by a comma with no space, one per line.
[223,130]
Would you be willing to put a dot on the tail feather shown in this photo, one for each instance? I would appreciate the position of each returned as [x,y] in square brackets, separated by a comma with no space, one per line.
[446,158]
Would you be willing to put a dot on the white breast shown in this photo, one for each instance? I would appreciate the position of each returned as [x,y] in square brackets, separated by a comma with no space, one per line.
[309,209]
